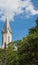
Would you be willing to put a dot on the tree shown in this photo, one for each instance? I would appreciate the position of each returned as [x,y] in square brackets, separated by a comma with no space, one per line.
[28,50]
[10,56]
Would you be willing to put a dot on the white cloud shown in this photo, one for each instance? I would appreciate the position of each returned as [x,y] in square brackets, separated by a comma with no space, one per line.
[11,8]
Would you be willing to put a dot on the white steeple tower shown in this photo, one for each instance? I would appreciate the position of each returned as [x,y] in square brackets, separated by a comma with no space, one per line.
[6,33]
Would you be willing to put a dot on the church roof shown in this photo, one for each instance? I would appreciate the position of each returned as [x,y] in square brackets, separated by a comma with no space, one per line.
[6,26]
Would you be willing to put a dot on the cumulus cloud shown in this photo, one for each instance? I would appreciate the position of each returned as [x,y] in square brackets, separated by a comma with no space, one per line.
[10,8]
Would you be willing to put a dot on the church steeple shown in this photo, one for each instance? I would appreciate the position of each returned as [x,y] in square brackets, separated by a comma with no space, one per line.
[6,26]
[7,23]
[6,33]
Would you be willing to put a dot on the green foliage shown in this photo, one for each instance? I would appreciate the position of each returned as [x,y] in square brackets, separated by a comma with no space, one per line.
[28,50]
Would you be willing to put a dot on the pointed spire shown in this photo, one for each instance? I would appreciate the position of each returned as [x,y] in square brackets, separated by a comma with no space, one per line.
[6,26]
[7,22]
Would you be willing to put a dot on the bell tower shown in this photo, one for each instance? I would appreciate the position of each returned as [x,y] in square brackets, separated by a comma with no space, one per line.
[6,33]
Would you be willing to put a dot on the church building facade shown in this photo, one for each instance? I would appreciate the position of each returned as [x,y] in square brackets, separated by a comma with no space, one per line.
[6,34]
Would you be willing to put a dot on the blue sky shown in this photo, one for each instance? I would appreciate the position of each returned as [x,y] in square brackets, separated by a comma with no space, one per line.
[21,17]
